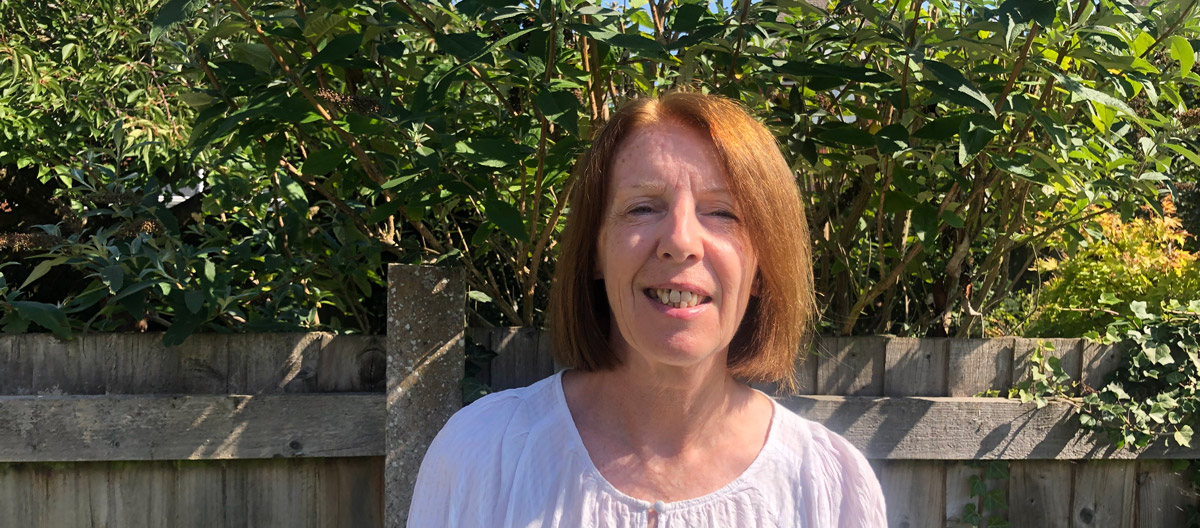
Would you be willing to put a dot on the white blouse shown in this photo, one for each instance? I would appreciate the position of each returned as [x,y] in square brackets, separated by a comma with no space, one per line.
[514,459]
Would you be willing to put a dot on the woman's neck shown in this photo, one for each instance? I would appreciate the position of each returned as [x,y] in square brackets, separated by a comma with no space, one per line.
[660,409]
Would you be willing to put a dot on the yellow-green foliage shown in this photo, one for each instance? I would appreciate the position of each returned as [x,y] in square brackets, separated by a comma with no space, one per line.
[1137,260]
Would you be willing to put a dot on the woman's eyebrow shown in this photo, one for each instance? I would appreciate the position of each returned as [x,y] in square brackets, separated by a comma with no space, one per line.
[654,186]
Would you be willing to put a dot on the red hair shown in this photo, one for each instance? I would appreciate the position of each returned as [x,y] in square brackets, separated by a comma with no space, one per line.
[777,320]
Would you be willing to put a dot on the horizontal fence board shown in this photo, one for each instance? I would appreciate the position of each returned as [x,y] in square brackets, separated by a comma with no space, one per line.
[205,364]
[956,428]
[158,427]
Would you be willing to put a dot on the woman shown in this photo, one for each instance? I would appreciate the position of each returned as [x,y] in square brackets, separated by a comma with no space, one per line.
[685,271]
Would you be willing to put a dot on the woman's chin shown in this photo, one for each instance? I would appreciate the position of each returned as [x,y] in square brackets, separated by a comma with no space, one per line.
[677,351]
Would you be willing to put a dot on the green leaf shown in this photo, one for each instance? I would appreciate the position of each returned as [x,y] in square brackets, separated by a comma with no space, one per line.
[464,46]
[848,134]
[48,316]
[506,217]
[194,300]
[255,54]
[337,49]
[479,296]
[1020,166]
[635,42]
[210,271]
[940,129]
[560,108]
[974,133]
[925,222]
[1183,436]
[1080,92]
[321,162]
[1139,310]
[113,276]
[293,192]
[384,211]
[132,289]
[470,49]
[1183,151]
[182,326]
[957,87]
[952,219]
[891,139]
[171,13]
[14,324]
[897,201]
[1181,50]
[1026,11]
[841,72]
[196,99]
[490,152]
[41,269]
[808,149]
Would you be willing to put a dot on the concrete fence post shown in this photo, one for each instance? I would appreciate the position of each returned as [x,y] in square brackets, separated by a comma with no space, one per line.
[426,319]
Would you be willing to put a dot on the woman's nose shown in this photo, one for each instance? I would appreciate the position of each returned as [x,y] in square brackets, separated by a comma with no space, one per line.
[680,238]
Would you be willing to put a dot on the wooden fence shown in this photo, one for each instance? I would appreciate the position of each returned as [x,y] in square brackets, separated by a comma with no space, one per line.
[226,430]
[316,430]
[910,406]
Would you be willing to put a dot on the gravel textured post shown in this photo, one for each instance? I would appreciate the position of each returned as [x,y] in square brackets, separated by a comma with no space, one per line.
[426,318]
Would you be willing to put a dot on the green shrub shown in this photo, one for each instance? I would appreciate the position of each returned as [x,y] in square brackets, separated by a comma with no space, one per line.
[1142,259]
[330,137]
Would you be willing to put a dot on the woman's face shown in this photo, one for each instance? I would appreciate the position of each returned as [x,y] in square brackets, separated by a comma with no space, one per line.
[675,259]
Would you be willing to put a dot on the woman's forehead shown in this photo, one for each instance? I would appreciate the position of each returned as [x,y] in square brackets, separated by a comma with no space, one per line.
[659,156]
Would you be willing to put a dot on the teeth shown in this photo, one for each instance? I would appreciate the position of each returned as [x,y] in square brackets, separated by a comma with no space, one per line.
[677,298]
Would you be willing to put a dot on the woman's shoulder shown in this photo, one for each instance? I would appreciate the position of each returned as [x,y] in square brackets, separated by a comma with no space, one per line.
[802,435]
[488,420]
[833,475]
[469,466]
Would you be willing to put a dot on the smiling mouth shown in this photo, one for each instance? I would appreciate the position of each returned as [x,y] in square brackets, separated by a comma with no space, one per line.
[676,298]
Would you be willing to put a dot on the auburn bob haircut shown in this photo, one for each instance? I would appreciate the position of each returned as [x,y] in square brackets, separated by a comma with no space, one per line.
[777,320]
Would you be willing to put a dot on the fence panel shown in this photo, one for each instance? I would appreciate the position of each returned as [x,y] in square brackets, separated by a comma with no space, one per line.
[129,379]
[907,403]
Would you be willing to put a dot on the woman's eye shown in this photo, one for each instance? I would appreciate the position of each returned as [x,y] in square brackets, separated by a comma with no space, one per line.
[641,209]
[725,214]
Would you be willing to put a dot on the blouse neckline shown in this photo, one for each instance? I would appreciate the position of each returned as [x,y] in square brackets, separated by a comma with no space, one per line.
[576,440]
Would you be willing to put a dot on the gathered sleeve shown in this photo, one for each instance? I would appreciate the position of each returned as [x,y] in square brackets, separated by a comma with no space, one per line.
[862,498]
[837,485]
[462,480]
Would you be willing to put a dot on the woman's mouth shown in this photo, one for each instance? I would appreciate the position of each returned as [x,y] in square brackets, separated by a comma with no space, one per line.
[676,298]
